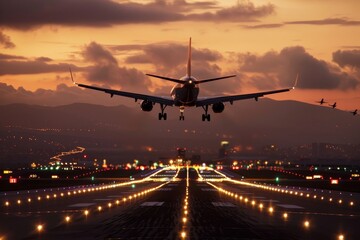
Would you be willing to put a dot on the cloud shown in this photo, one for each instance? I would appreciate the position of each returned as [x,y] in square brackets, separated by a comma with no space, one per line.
[16,65]
[105,69]
[25,15]
[5,41]
[60,96]
[350,58]
[244,11]
[286,64]
[328,21]
[260,26]
[169,56]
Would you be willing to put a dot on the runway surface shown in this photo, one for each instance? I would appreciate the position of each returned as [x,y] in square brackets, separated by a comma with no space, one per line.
[183,204]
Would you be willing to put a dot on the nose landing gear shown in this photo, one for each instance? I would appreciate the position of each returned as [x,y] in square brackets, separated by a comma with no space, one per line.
[182,109]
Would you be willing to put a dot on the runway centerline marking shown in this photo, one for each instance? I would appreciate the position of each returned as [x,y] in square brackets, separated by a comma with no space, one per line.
[223,204]
[208,190]
[80,205]
[164,189]
[152,204]
[289,206]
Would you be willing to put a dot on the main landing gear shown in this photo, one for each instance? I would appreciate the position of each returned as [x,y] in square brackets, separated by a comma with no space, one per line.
[182,118]
[162,115]
[206,116]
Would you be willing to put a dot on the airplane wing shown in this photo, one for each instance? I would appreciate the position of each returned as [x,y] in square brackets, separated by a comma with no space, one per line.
[231,99]
[136,96]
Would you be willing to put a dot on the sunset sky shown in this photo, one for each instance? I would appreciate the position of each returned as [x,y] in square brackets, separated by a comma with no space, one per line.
[114,43]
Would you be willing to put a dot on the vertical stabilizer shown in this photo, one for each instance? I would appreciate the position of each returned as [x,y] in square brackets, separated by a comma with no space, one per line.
[189,60]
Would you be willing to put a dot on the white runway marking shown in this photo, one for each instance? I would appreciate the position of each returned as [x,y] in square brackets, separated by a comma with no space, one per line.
[80,205]
[223,204]
[164,189]
[208,190]
[258,197]
[289,206]
[115,196]
[152,204]
[269,200]
[102,199]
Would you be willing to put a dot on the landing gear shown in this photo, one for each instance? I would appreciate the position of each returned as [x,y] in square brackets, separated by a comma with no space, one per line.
[206,116]
[162,115]
[182,118]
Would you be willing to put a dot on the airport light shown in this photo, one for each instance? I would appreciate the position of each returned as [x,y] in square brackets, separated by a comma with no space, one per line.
[19,201]
[183,234]
[285,215]
[39,227]
[271,209]
[109,205]
[86,212]
[351,203]
[307,224]
[341,237]
[7,203]
[67,218]
[184,219]
[340,201]
[99,208]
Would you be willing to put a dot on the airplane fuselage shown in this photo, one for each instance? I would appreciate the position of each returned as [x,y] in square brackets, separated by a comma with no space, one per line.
[185,94]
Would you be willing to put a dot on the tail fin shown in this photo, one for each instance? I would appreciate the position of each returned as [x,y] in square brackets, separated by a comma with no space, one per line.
[189,60]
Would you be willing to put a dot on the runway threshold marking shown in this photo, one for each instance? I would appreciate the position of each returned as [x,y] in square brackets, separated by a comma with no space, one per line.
[152,204]
[223,204]
[80,205]
[289,206]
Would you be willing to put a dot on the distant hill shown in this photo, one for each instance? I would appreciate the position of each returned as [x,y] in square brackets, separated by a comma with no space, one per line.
[247,123]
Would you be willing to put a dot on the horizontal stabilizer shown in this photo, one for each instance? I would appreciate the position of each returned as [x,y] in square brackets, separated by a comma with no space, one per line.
[166,78]
[213,79]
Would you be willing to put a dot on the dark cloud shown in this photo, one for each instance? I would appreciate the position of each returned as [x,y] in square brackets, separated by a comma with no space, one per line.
[105,69]
[328,21]
[5,40]
[169,56]
[43,59]
[28,66]
[314,73]
[10,57]
[60,96]
[243,11]
[28,14]
[260,26]
[350,58]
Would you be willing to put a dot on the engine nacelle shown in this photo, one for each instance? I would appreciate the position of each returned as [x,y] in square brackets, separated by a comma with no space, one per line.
[218,107]
[146,106]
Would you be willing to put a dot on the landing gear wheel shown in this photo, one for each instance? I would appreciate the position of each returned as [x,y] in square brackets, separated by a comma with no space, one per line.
[162,116]
[182,118]
[206,117]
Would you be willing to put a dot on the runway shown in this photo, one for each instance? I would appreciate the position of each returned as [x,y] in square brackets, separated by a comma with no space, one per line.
[185,204]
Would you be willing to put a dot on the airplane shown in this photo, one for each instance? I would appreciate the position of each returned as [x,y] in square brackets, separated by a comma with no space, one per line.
[354,112]
[333,105]
[322,101]
[184,94]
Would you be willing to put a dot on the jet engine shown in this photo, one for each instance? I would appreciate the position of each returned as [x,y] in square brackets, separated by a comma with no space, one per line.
[218,107]
[146,106]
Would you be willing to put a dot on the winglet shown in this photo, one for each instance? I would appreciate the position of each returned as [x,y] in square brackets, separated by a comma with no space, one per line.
[72,79]
[189,60]
[296,81]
